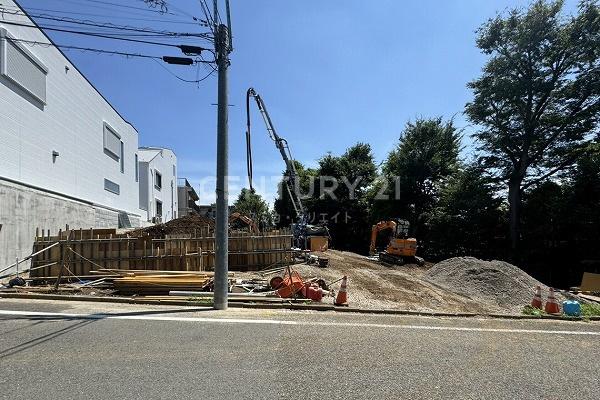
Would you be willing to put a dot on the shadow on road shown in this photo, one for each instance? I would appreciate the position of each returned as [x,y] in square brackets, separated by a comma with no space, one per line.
[80,322]
[42,339]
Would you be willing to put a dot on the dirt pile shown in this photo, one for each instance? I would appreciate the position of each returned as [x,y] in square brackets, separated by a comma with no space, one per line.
[374,285]
[187,225]
[497,284]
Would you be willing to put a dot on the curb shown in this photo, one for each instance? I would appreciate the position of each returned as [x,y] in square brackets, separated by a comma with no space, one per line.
[288,306]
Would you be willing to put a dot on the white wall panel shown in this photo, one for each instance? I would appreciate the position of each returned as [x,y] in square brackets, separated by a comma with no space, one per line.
[71,123]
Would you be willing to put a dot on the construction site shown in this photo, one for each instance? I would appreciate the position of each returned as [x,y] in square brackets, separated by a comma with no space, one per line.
[175,261]
[178,260]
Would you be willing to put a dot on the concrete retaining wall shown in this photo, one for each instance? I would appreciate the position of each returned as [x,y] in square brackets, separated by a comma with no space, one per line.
[23,209]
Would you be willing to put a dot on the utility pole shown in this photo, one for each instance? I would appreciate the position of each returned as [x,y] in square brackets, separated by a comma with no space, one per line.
[222,49]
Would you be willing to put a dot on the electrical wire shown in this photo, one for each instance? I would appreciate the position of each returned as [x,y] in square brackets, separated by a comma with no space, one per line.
[208,15]
[182,79]
[111,5]
[101,51]
[60,12]
[156,59]
[104,36]
[109,25]
[90,49]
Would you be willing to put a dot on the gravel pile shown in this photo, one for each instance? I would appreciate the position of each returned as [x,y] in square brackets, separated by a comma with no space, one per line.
[494,283]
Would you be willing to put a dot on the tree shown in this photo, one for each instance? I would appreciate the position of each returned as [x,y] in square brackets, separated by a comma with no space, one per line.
[284,213]
[467,218]
[582,213]
[252,205]
[346,209]
[537,100]
[426,155]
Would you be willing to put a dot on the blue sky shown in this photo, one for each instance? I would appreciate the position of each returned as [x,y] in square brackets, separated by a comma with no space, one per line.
[332,73]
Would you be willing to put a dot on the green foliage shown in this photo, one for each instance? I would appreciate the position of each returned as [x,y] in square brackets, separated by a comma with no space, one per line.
[590,310]
[528,310]
[347,210]
[283,209]
[538,98]
[253,205]
[426,155]
[466,220]
[345,207]
[582,199]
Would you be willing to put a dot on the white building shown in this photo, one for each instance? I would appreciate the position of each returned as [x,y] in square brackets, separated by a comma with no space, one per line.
[158,183]
[68,156]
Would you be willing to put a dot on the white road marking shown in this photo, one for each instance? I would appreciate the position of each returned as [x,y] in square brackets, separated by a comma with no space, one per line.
[288,322]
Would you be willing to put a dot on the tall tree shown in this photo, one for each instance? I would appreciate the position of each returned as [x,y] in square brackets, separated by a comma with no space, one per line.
[538,99]
[467,219]
[346,208]
[284,213]
[252,205]
[426,155]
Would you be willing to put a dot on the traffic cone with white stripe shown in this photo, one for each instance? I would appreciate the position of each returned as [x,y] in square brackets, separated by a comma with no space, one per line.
[342,297]
[537,299]
[552,306]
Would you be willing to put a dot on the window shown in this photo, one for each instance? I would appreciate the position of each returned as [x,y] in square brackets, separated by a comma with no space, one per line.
[158,208]
[20,66]
[137,171]
[111,186]
[157,180]
[122,158]
[174,174]
[112,143]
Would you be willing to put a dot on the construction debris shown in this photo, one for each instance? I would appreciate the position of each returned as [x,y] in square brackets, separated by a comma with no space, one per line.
[192,224]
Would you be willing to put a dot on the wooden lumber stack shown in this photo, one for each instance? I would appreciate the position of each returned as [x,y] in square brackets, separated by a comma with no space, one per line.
[160,282]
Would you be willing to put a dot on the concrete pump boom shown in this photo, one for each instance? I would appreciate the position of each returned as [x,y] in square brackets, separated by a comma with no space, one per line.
[292,182]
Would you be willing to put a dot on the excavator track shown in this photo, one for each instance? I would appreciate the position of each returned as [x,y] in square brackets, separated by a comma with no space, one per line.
[399,260]
[391,259]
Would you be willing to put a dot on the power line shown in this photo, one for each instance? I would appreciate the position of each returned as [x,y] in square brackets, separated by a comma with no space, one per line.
[161,20]
[104,36]
[90,49]
[208,15]
[182,79]
[112,5]
[157,59]
[109,25]
[200,60]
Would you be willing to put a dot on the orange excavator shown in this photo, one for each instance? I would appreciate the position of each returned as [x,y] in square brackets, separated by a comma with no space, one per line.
[400,249]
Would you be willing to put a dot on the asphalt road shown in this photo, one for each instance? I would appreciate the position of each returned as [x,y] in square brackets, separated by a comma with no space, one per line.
[69,350]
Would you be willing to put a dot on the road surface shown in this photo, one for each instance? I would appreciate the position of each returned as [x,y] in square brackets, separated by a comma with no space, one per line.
[71,350]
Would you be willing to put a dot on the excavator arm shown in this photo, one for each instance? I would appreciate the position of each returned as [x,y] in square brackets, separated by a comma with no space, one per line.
[381,225]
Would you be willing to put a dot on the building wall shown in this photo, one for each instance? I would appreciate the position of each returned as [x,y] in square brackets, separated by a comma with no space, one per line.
[163,162]
[53,164]
[71,123]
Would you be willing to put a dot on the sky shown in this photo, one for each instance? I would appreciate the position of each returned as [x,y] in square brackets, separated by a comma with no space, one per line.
[332,73]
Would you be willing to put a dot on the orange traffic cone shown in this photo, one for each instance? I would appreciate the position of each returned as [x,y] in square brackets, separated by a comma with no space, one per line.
[552,306]
[342,297]
[537,299]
